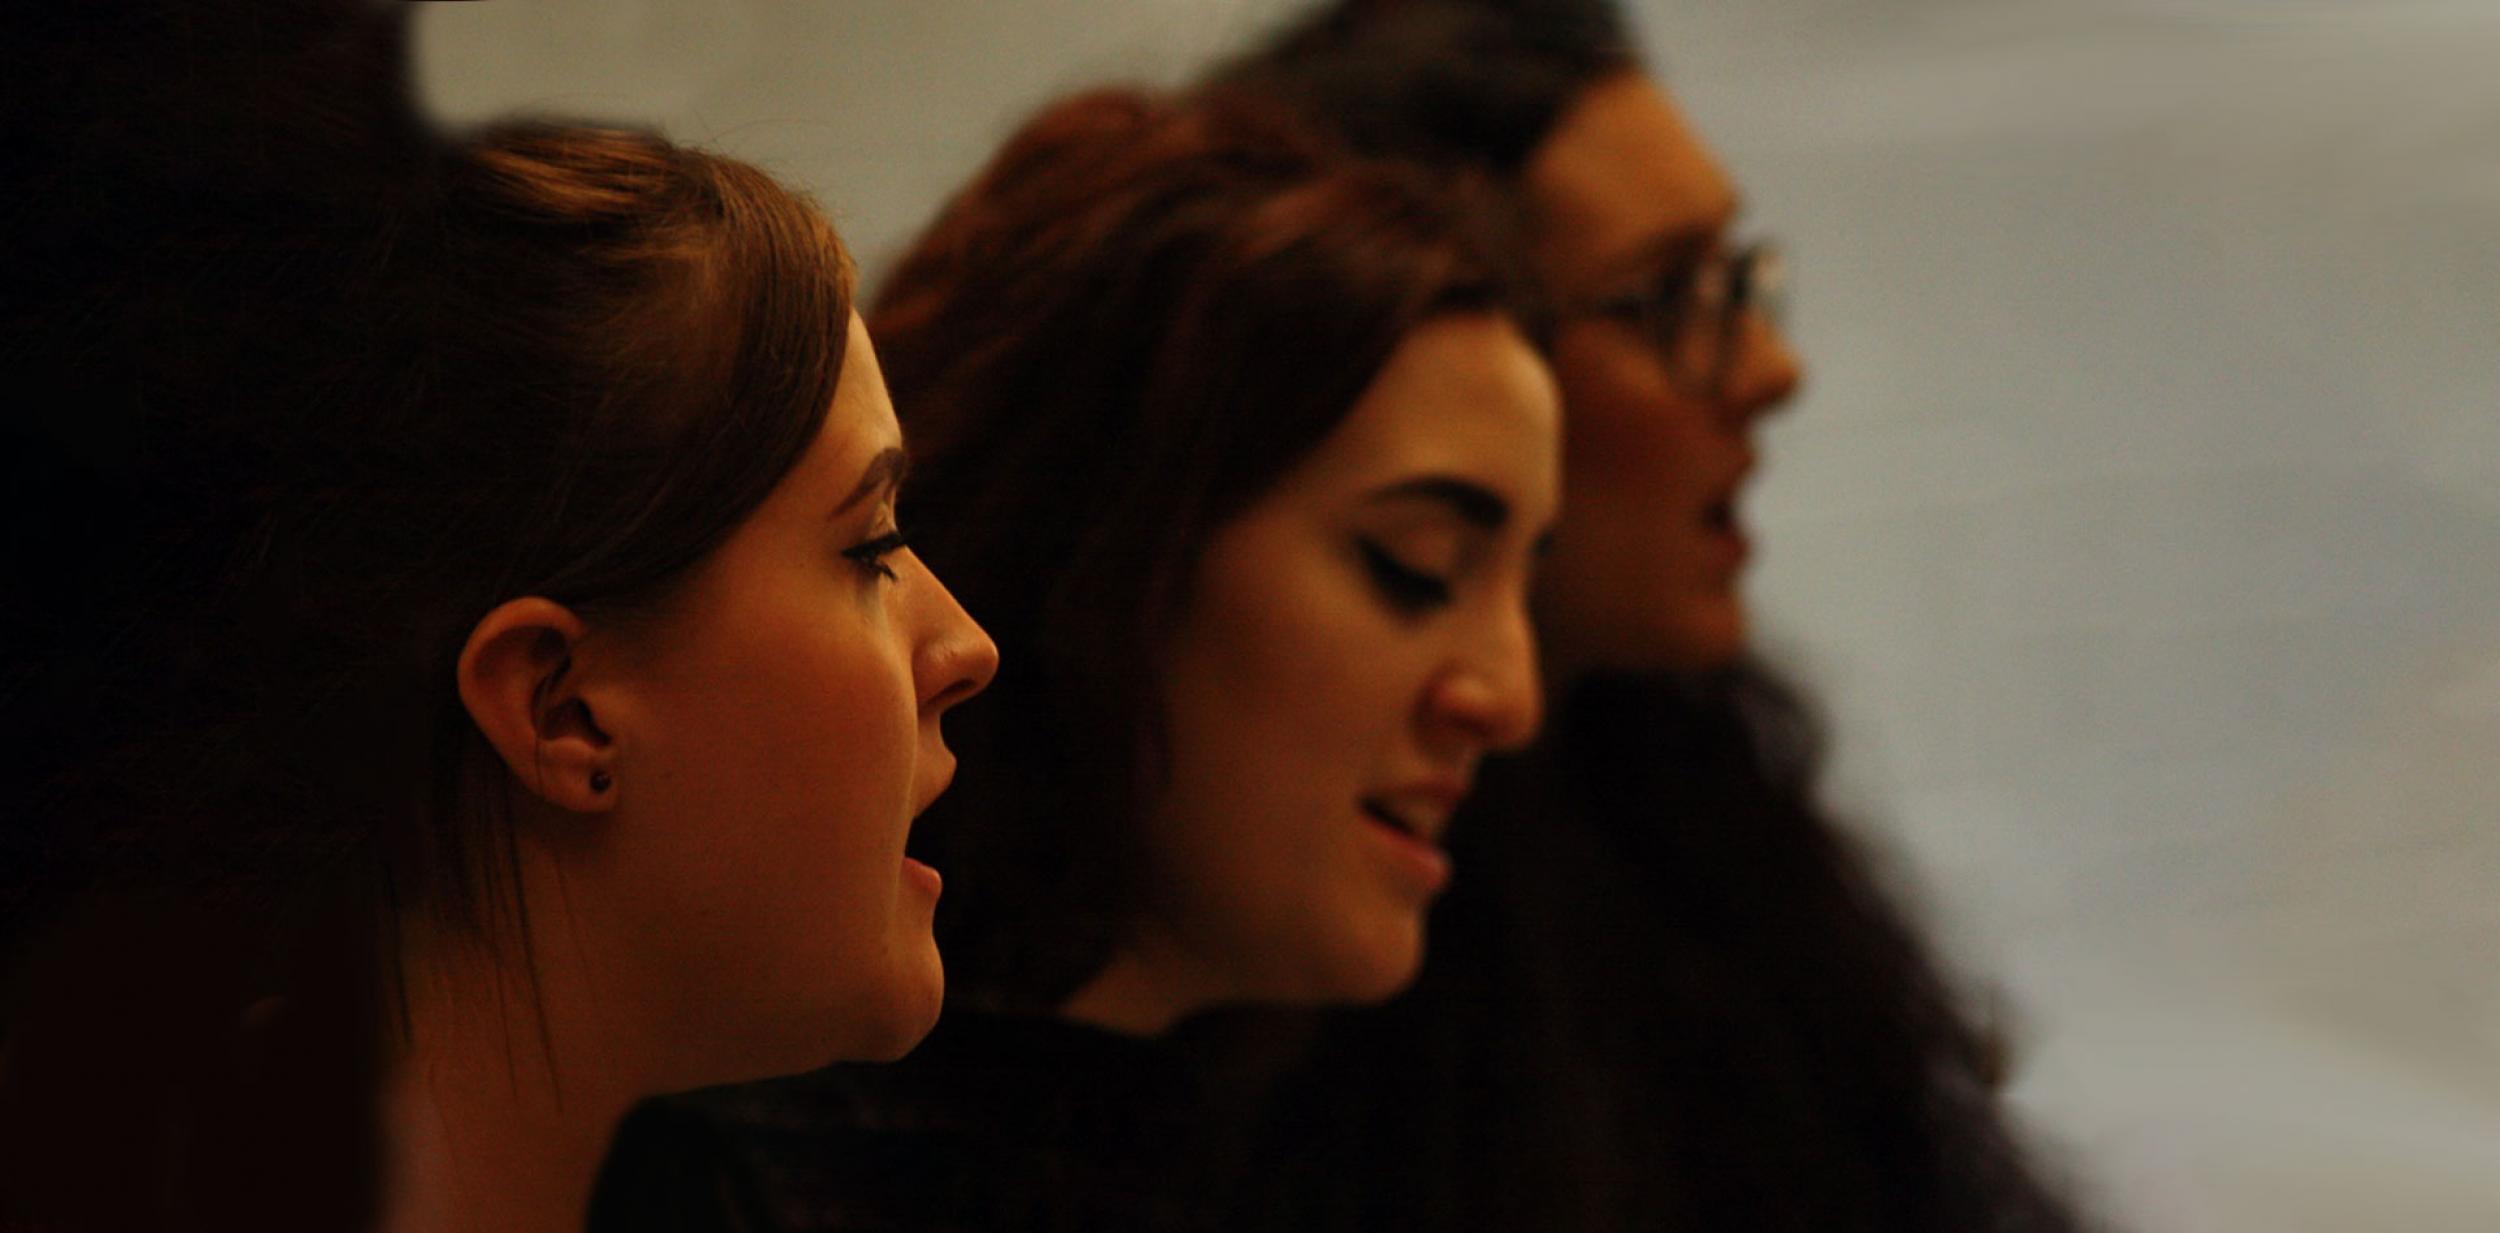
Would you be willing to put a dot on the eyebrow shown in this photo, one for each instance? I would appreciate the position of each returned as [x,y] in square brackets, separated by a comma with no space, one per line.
[1666,251]
[1680,245]
[885,472]
[1474,503]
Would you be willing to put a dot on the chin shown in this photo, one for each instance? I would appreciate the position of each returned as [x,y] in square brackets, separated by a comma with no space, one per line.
[1708,633]
[1389,984]
[910,1010]
[1375,975]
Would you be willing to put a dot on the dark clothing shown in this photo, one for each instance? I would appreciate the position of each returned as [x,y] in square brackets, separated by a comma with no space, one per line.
[996,1124]
[1665,994]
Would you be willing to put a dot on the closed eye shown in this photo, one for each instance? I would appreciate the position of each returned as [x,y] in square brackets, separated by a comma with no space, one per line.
[1409,590]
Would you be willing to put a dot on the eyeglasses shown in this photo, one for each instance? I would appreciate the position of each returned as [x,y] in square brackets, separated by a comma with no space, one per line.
[1693,314]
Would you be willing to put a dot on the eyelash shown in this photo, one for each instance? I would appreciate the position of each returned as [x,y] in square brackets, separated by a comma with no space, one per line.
[1407,589]
[872,554]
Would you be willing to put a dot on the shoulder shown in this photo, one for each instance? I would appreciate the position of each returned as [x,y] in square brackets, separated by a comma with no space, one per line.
[981,1128]
[821,1151]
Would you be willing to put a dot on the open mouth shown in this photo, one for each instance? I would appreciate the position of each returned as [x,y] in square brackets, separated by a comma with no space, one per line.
[1381,813]
[1720,515]
[1410,825]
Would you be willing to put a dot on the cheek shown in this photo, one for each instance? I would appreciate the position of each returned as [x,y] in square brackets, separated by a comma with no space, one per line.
[1640,463]
[1632,579]
[775,780]
[1287,701]
[1625,431]
[1294,677]
[801,701]
[1265,860]
[1261,723]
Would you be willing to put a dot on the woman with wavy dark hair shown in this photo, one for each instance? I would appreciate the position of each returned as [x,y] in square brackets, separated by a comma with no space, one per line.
[523,714]
[1238,447]
[1680,998]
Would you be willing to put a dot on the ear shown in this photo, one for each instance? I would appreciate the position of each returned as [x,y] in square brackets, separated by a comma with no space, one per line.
[518,681]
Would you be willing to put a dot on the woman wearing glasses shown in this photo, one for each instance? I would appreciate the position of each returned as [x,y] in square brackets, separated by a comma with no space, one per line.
[1679,998]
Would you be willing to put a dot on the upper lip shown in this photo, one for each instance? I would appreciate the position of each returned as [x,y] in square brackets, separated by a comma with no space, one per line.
[945,777]
[1422,807]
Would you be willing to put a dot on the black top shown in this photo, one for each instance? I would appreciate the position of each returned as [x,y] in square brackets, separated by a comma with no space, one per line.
[996,1124]
[1665,994]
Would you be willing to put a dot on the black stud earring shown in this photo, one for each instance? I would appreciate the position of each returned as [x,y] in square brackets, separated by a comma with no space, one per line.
[599,781]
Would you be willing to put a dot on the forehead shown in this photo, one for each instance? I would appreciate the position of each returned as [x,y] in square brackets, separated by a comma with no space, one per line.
[858,426]
[1464,395]
[859,396]
[1621,174]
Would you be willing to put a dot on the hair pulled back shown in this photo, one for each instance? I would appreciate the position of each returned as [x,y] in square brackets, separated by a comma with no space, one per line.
[355,406]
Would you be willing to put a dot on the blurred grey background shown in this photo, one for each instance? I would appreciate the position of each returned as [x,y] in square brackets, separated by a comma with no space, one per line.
[2140,524]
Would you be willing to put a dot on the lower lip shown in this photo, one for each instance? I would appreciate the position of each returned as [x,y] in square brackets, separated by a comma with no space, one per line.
[924,876]
[1419,864]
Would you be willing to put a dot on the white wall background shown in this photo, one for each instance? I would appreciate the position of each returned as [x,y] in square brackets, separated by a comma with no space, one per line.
[2141,523]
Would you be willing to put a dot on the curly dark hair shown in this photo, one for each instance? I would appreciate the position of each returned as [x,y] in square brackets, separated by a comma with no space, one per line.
[1674,995]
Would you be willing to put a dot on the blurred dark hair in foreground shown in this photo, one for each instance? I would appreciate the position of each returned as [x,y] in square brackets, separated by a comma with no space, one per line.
[197,195]
[313,388]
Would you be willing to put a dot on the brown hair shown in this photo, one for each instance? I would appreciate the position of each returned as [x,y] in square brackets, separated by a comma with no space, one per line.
[1677,995]
[1135,319]
[1458,85]
[635,342]
[551,360]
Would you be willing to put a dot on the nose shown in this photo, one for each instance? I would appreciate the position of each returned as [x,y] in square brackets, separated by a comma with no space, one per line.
[957,658]
[1492,697]
[1763,374]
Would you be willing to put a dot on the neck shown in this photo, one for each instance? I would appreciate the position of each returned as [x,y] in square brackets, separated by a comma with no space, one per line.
[502,1104]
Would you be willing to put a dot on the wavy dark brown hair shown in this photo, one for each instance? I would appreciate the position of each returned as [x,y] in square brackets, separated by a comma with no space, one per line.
[1134,320]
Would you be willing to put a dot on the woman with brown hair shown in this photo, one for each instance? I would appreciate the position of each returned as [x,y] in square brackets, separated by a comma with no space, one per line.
[1240,448]
[531,724]
[1685,998]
